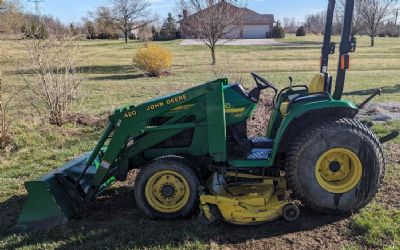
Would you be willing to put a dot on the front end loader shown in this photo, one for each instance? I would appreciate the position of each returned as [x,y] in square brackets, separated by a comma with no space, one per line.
[194,153]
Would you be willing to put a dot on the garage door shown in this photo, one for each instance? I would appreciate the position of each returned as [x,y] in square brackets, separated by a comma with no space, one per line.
[255,31]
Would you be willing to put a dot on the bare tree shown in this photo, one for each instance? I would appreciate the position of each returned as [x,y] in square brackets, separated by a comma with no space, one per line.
[103,20]
[212,20]
[358,24]
[89,28]
[55,75]
[374,12]
[315,23]
[6,138]
[126,15]
[290,25]
[146,34]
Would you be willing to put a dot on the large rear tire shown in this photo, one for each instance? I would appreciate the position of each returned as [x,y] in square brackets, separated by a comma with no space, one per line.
[335,167]
[167,188]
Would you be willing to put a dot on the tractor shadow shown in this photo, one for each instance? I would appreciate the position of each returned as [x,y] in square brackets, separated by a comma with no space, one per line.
[114,221]
[105,69]
[118,77]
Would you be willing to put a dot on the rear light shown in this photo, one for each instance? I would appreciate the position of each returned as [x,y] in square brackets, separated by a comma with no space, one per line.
[344,62]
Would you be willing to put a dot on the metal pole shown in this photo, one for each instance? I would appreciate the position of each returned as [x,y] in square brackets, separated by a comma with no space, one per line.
[327,36]
[344,48]
[37,8]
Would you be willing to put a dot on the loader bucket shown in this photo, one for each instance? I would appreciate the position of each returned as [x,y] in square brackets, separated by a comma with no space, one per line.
[52,201]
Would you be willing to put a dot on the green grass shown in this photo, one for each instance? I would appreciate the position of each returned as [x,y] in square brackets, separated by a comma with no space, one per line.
[378,225]
[110,80]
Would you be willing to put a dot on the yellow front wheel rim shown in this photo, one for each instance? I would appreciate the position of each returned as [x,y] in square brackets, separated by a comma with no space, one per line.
[167,191]
[338,170]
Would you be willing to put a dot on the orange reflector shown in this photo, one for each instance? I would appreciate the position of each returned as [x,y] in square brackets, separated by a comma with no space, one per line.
[345,62]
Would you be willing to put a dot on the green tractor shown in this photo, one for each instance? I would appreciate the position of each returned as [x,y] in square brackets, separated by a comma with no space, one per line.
[194,154]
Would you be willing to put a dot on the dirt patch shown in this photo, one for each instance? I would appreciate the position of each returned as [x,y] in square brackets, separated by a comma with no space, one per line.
[116,213]
[88,119]
[393,153]
[7,143]
[381,112]
[389,195]
[311,231]
[257,125]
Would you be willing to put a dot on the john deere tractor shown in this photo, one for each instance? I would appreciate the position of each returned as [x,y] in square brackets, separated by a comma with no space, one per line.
[194,154]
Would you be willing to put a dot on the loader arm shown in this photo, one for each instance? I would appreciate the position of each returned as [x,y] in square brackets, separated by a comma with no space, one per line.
[71,188]
[129,123]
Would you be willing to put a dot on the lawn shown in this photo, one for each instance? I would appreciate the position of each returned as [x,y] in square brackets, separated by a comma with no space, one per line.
[110,80]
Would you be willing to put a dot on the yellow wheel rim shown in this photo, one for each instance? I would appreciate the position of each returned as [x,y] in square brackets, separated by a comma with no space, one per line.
[167,191]
[338,170]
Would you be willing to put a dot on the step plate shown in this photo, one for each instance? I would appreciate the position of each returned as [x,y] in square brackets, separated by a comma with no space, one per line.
[259,154]
[261,142]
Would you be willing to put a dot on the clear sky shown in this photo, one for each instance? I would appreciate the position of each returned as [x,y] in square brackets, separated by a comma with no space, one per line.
[73,10]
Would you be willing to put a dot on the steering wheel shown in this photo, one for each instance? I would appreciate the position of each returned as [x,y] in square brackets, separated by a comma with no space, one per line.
[262,83]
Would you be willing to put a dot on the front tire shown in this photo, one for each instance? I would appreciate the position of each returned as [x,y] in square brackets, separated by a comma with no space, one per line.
[335,167]
[167,188]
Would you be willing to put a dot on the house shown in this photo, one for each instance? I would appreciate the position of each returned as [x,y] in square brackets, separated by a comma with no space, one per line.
[253,26]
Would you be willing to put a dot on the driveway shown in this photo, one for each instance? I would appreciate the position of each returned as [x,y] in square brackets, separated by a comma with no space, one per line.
[236,42]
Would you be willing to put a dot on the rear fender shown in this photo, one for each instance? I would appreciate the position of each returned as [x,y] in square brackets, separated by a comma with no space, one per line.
[301,116]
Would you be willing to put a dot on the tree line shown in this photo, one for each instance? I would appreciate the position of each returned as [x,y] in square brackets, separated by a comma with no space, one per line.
[118,18]
[371,17]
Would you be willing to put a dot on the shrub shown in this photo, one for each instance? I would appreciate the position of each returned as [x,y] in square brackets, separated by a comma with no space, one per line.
[33,32]
[382,34]
[301,31]
[55,75]
[397,34]
[154,60]
[114,36]
[277,31]
[108,36]
[6,137]
[392,33]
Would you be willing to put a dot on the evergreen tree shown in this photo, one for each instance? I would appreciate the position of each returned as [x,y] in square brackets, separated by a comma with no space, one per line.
[277,31]
[74,30]
[301,31]
[168,30]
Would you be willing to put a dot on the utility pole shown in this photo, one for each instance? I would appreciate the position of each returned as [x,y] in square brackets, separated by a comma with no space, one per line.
[37,8]
[396,16]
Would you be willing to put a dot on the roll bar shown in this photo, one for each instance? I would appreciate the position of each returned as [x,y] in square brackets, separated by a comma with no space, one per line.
[347,44]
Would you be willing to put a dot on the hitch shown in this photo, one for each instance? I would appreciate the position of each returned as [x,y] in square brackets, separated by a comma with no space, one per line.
[376,92]
[391,136]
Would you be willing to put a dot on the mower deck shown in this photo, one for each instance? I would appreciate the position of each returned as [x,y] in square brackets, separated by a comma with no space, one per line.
[248,203]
